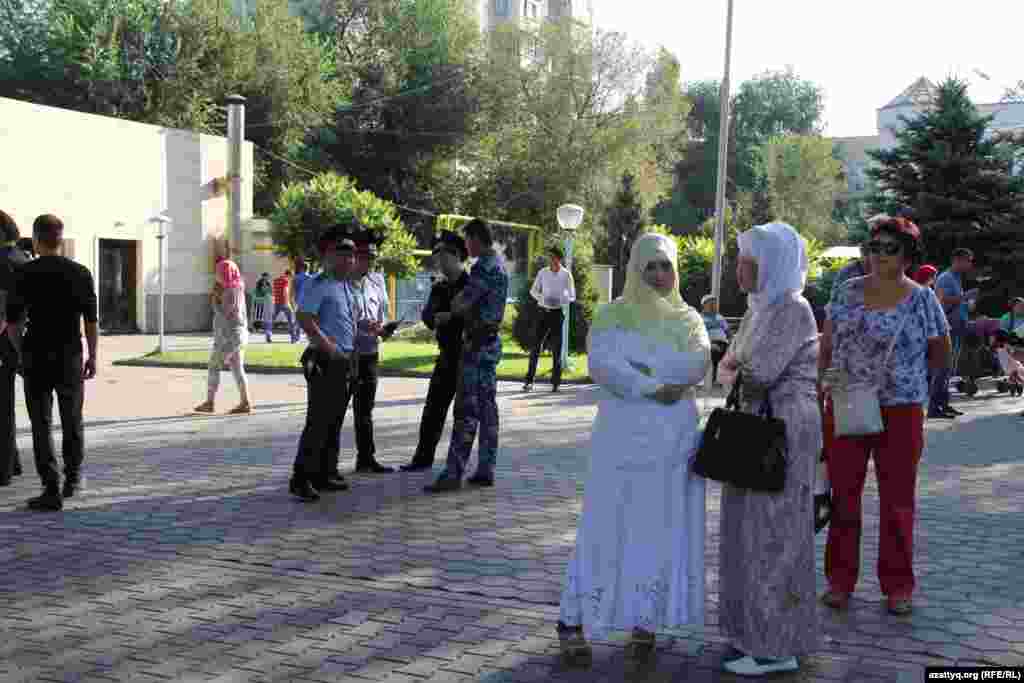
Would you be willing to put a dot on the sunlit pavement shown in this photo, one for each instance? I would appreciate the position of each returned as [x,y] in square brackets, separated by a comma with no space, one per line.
[186,559]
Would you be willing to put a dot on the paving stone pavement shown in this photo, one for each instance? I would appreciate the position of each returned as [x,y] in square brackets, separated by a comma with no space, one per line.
[186,560]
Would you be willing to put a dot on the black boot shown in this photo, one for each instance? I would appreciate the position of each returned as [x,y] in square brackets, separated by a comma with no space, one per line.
[50,500]
[300,487]
[371,466]
[73,485]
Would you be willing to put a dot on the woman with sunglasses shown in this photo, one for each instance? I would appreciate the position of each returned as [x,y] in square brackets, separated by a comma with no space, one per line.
[886,330]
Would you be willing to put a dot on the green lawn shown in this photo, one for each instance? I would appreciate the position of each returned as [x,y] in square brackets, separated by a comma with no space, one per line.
[397,357]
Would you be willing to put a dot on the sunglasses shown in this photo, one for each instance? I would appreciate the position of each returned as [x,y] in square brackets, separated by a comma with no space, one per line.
[878,247]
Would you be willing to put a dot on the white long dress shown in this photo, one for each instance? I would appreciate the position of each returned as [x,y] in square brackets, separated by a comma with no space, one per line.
[639,556]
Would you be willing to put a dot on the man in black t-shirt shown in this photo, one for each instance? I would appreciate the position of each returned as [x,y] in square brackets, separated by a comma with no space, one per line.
[55,294]
[11,257]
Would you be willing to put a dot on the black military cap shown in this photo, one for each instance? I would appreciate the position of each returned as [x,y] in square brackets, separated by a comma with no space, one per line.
[338,236]
[451,240]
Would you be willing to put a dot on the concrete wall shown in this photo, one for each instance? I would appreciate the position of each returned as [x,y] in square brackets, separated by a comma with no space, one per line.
[104,178]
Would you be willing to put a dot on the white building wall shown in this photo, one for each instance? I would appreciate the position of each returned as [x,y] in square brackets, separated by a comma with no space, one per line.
[104,178]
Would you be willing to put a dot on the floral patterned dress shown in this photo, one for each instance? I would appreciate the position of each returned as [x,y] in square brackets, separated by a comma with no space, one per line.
[766,587]
[639,555]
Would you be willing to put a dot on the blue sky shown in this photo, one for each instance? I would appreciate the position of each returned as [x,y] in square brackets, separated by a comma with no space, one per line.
[861,53]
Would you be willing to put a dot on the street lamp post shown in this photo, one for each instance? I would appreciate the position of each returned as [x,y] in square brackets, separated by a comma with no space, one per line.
[569,218]
[162,222]
[723,150]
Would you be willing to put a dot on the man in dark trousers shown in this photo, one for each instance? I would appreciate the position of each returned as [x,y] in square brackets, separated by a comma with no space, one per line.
[11,258]
[481,305]
[55,294]
[328,318]
[370,298]
[450,256]
[553,289]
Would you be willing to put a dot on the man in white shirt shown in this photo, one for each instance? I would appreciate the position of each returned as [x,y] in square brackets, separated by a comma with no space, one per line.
[553,288]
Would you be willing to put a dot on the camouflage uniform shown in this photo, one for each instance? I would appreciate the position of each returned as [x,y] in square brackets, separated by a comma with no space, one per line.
[476,397]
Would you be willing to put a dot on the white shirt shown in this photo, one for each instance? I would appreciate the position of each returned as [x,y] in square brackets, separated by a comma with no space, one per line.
[553,290]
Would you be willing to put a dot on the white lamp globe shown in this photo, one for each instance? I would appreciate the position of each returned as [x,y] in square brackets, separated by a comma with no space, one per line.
[569,216]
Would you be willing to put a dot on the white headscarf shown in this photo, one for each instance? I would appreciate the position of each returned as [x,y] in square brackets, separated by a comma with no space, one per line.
[781,255]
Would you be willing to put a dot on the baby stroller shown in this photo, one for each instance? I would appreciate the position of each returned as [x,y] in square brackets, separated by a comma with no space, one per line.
[1007,347]
[977,365]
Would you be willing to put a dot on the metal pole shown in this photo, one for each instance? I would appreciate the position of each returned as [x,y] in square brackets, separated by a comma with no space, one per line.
[723,151]
[568,308]
[160,323]
[236,133]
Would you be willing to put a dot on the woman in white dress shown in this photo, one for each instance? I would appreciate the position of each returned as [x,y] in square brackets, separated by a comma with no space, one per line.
[639,558]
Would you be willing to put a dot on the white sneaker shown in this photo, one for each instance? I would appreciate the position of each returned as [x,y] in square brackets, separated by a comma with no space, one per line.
[748,666]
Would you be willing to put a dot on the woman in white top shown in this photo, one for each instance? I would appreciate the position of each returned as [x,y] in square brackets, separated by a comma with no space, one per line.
[639,558]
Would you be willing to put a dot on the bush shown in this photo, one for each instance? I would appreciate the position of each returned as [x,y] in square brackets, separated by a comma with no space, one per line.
[581,313]
[304,210]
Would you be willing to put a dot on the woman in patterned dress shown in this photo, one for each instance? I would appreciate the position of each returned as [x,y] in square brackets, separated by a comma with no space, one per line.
[886,330]
[638,564]
[230,335]
[766,592]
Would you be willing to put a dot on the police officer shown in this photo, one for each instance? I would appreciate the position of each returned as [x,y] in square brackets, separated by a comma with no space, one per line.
[370,299]
[450,255]
[328,318]
[481,305]
[11,257]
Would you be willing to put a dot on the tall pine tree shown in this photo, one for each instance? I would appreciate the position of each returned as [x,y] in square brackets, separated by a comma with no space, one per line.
[954,174]
[623,220]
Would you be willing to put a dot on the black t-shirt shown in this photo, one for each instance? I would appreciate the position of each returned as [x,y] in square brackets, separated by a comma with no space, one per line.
[55,293]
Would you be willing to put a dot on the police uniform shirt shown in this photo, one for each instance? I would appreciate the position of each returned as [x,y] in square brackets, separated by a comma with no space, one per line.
[370,303]
[331,302]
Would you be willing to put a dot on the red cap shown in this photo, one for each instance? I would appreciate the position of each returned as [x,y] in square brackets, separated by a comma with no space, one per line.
[899,224]
[925,273]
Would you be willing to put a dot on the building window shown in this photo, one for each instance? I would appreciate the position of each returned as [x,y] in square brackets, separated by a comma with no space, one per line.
[501,7]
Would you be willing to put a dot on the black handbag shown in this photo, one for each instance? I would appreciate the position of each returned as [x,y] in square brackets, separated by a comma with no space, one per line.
[743,449]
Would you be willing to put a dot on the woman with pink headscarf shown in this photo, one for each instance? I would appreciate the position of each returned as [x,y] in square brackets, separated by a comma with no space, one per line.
[230,335]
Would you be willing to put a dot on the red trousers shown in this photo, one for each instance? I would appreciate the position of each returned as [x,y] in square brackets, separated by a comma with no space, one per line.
[896,452]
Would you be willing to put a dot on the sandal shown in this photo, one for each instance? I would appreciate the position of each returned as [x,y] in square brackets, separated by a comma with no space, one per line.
[641,644]
[204,407]
[835,599]
[900,607]
[241,409]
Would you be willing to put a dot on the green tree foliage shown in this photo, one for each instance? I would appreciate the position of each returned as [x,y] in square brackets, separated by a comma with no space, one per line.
[561,104]
[304,210]
[624,221]
[802,179]
[955,179]
[171,64]
[774,103]
[411,69]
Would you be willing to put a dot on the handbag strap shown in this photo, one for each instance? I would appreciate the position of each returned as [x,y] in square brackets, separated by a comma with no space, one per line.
[892,344]
[733,401]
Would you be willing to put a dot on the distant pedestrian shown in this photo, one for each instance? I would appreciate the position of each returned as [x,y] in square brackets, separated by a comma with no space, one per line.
[262,298]
[56,295]
[949,287]
[230,336]
[11,258]
[885,331]
[302,276]
[1013,322]
[553,289]
[925,276]
[718,332]
[282,304]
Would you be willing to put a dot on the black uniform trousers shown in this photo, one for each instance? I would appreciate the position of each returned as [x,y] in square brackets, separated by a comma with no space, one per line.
[8,443]
[47,373]
[363,391]
[548,325]
[444,382]
[327,400]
